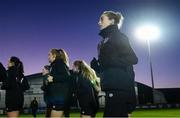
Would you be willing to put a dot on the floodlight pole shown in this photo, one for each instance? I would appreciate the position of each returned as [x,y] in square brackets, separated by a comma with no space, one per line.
[151,69]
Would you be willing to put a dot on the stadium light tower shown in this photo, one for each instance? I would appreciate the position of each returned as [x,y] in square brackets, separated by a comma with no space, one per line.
[148,32]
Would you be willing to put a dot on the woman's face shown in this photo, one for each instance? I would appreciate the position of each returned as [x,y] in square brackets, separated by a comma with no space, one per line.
[104,22]
[10,64]
[75,68]
[51,57]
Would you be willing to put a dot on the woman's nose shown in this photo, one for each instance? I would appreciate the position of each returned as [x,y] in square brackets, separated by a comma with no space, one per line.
[99,22]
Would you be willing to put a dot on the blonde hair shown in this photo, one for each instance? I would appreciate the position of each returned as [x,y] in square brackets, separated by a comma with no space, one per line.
[117,16]
[88,73]
[61,54]
[64,56]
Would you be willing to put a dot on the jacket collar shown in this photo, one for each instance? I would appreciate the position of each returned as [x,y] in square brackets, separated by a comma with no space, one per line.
[56,60]
[106,32]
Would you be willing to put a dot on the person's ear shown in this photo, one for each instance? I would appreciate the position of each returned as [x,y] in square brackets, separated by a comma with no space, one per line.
[112,21]
[54,56]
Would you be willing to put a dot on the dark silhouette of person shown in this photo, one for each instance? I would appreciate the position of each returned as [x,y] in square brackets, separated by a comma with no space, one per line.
[116,58]
[34,107]
[44,87]
[88,87]
[95,65]
[3,74]
[59,82]
[15,84]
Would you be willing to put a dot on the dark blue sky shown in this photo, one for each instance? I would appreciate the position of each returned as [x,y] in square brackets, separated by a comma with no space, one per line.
[30,28]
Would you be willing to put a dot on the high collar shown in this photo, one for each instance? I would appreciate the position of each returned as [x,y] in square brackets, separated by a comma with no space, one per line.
[106,32]
[56,60]
[12,68]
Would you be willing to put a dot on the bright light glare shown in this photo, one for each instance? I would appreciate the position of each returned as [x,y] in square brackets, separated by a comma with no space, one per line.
[148,32]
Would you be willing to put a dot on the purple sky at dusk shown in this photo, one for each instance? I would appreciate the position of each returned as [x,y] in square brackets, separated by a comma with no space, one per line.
[30,28]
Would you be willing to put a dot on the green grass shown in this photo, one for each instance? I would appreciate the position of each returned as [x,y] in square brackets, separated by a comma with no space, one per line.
[164,113]
[157,113]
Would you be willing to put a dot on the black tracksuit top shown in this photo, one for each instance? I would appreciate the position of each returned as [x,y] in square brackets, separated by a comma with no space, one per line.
[116,58]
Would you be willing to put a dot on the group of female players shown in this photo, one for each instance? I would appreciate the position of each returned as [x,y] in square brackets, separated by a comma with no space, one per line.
[58,85]
[114,64]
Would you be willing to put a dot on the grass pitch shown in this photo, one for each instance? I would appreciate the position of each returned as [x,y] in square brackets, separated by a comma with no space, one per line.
[164,113]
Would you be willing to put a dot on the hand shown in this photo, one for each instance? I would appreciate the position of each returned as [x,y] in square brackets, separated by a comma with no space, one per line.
[50,78]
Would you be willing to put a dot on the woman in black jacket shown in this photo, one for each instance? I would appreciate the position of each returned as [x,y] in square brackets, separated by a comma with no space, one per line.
[58,82]
[116,59]
[44,87]
[88,88]
[15,85]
